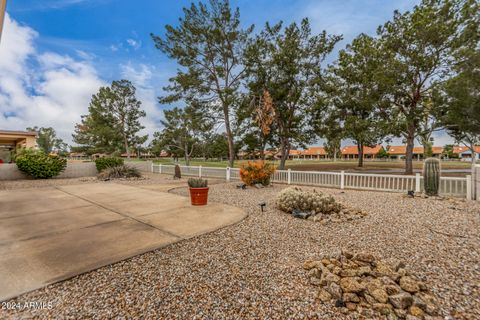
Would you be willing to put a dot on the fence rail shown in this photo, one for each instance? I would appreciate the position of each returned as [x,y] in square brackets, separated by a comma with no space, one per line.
[449,186]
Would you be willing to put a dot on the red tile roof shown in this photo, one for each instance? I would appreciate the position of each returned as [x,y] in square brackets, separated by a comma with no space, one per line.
[400,150]
[353,150]
[315,151]
[461,149]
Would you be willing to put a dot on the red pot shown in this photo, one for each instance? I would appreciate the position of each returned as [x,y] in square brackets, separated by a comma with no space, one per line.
[199,196]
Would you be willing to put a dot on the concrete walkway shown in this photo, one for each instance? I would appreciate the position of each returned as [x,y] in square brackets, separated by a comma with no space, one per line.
[51,234]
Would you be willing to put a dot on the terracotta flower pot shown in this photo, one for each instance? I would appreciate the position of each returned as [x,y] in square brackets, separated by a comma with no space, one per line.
[199,196]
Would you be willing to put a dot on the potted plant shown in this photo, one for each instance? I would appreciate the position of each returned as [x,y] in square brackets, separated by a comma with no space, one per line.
[198,191]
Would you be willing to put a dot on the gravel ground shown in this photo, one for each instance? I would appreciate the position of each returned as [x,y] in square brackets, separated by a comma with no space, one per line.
[253,270]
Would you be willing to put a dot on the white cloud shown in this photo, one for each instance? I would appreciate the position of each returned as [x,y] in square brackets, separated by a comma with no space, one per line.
[43,89]
[135,44]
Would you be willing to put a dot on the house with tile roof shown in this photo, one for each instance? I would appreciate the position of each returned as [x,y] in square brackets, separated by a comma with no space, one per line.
[465,153]
[312,153]
[399,152]
[351,152]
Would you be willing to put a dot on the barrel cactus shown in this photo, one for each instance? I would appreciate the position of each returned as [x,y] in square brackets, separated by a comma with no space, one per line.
[431,176]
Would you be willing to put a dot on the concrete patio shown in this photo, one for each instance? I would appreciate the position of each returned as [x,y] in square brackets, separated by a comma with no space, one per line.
[51,234]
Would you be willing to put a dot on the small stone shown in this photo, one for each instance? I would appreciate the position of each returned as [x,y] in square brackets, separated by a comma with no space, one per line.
[380,295]
[410,317]
[409,284]
[365,270]
[351,306]
[350,284]
[336,270]
[348,273]
[347,254]
[310,264]
[369,299]
[335,290]
[383,308]
[314,281]
[385,270]
[364,257]
[401,313]
[416,311]
[328,277]
[317,273]
[402,300]
[392,289]
[350,297]
[323,295]
[418,302]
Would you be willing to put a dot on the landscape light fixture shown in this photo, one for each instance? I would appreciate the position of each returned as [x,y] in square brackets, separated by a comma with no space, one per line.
[262,205]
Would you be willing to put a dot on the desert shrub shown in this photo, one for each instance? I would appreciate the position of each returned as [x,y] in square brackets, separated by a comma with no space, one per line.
[121,171]
[39,165]
[294,198]
[107,162]
[197,183]
[256,172]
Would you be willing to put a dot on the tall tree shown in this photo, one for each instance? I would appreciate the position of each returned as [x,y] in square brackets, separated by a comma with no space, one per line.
[182,130]
[418,47]
[356,94]
[48,141]
[113,121]
[462,102]
[208,43]
[287,63]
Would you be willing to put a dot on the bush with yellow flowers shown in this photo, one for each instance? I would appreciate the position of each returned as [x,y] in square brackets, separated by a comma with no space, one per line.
[257,172]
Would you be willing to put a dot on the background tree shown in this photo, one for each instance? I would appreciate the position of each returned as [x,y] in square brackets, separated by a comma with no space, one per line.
[182,130]
[287,63]
[355,93]
[418,47]
[208,43]
[48,141]
[462,102]
[113,121]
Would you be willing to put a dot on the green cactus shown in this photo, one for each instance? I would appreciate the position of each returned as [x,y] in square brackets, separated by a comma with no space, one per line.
[197,183]
[431,176]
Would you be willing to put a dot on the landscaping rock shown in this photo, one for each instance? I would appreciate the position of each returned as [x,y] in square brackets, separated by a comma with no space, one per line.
[361,282]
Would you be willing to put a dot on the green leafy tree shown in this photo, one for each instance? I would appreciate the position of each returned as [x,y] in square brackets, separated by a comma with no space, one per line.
[183,129]
[208,44]
[113,121]
[287,63]
[48,141]
[418,48]
[462,102]
[356,94]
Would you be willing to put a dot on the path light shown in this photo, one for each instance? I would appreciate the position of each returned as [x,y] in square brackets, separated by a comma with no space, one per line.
[242,186]
[411,193]
[262,205]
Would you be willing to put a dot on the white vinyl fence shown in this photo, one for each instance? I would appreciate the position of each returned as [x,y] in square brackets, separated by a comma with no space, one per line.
[449,186]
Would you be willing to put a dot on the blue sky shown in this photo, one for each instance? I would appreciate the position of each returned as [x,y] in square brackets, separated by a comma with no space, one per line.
[54,54]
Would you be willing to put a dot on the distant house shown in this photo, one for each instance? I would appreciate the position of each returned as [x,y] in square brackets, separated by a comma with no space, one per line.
[465,153]
[400,152]
[309,153]
[11,140]
[351,152]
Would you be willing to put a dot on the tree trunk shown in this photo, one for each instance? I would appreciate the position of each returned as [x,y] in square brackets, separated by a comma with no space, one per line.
[231,146]
[409,152]
[187,156]
[125,141]
[360,154]
[472,150]
[285,149]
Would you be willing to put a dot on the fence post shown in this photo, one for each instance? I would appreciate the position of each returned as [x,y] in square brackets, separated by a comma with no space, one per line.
[469,187]
[228,174]
[342,179]
[199,171]
[289,176]
[417,182]
[160,168]
[151,167]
